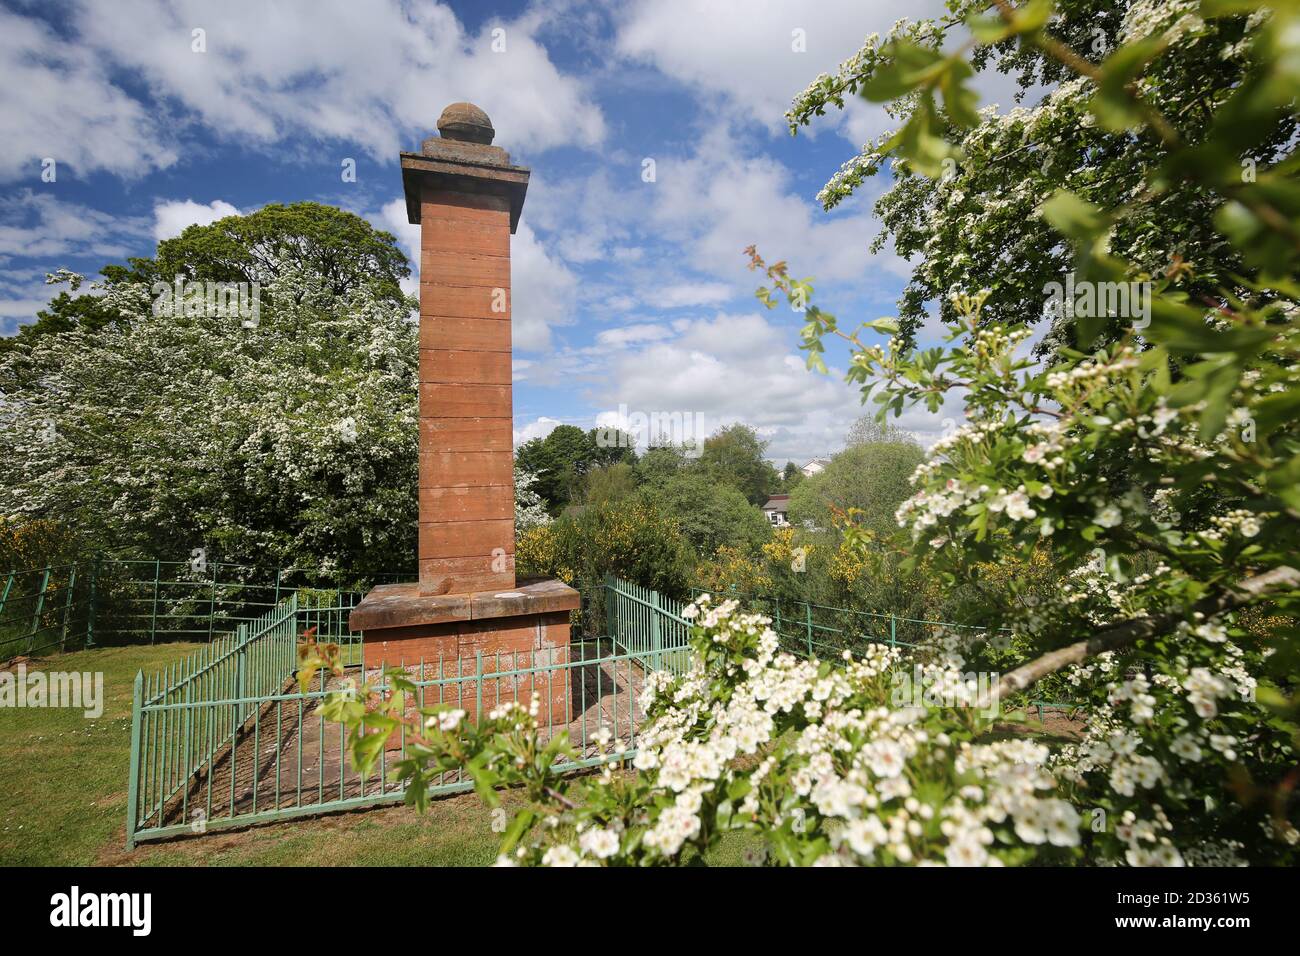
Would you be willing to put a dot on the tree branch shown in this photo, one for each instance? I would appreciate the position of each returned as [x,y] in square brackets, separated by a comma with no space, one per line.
[1281,578]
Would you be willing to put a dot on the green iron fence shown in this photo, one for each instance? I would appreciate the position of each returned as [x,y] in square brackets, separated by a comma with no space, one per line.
[209,752]
[806,627]
[227,739]
[809,627]
[46,609]
[647,624]
[104,599]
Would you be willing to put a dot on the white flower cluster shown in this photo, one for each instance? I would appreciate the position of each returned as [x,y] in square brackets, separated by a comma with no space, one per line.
[1120,752]
[850,763]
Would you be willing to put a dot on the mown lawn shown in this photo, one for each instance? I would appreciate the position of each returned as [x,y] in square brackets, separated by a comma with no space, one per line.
[63,798]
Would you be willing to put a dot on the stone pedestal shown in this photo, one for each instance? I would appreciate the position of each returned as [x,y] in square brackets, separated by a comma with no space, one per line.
[476,649]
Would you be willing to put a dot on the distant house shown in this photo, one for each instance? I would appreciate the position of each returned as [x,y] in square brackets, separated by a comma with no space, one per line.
[814,466]
[776,510]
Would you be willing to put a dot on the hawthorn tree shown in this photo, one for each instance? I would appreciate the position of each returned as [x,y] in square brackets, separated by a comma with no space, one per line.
[962,208]
[289,443]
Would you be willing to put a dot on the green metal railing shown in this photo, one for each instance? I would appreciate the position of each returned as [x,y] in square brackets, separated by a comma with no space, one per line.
[188,721]
[104,599]
[170,740]
[802,624]
[647,624]
[284,760]
[812,627]
[46,609]
[226,739]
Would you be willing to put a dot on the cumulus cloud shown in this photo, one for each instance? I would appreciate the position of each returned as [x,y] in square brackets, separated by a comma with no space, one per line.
[172,217]
[375,74]
[628,334]
[59,103]
[754,57]
[41,226]
[729,368]
[538,428]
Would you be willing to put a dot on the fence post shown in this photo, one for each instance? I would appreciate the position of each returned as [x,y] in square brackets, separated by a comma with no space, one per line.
[94,596]
[893,631]
[807,616]
[133,785]
[239,681]
[212,602]
[610,617]
[777,603]
[478,688]
[67,608]
[40,606]
[656,642]
[153,617]
[9,585]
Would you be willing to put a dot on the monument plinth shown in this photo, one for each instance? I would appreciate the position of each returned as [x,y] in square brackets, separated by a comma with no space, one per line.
[466,197]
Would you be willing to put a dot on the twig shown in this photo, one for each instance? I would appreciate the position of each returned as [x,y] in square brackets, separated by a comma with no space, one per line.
[1281,578]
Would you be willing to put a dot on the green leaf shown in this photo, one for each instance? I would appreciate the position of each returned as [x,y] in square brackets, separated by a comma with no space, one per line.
[1114,105]
[1073,216]
[1182,328]
[518,827]
[907,66]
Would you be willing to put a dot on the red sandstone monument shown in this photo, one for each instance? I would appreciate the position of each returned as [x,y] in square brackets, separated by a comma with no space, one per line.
[467,610]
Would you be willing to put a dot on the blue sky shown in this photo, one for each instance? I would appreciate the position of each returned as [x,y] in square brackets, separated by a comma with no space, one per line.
[627,294]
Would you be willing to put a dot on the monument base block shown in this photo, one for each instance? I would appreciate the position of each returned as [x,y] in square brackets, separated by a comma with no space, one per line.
[475,649]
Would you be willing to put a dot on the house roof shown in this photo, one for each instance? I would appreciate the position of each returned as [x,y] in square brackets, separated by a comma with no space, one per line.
[818,461]
[777,503]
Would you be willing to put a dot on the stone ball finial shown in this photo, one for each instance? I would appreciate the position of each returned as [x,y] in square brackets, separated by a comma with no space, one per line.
[467,123]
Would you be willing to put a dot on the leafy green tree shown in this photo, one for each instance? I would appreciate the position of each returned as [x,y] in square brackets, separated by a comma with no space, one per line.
[734,455]
[64,313]
[869,480]
[340,247]
[291,443]
[710,514]
[867,430]
[613,446]
[607,484]
[530,510]
[632,539]
[660,463]
[791,476]
[560,461]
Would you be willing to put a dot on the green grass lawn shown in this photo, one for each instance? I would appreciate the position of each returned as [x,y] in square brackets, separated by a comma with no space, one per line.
[63,798]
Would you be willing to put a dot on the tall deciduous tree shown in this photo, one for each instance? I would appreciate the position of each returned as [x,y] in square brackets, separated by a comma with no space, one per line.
[871,479]
[734,455]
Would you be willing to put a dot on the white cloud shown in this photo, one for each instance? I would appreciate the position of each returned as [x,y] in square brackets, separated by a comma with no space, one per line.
[542,291]
[538,428]
[58,102]
[629,334]
[392,218]
[731,368]
[41,226]
[173,216]
[743,53]
[693,293]
[376,74]
[726,197]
